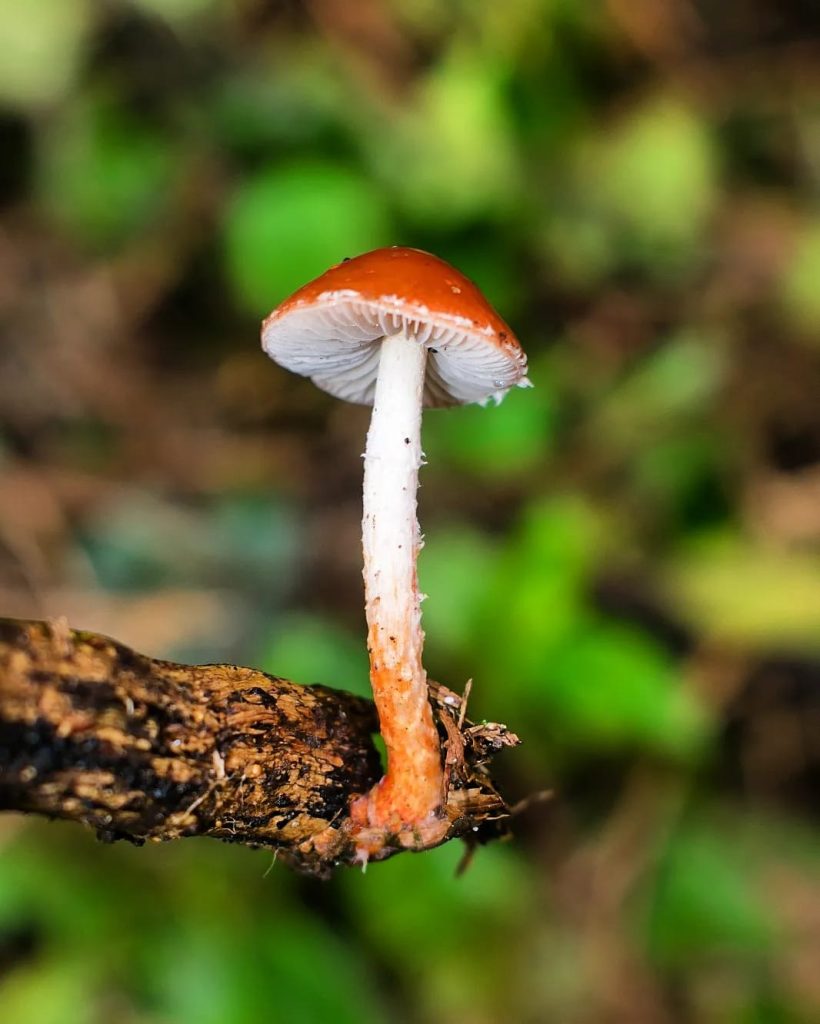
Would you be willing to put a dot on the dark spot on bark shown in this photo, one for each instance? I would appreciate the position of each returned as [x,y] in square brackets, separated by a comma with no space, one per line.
[257,820]
[128,659]
[112,835]
[276,779]
[87,695]
[10,632]
[255,695]
[330,800]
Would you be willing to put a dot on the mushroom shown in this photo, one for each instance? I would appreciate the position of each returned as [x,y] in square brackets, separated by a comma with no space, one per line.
[397,329]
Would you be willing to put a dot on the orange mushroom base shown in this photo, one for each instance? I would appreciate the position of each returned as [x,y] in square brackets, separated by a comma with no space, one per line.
[376,824]
[379,824]
[407,803]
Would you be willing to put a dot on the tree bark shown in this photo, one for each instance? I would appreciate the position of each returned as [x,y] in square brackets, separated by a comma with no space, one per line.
[142,749]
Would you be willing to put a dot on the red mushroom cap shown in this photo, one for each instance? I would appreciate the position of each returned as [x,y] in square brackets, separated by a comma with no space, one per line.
[330,329]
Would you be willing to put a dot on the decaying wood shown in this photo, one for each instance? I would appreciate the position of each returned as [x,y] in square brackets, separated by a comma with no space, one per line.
[142,749]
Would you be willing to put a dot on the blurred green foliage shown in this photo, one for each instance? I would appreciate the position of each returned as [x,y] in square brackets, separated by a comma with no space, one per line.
[43,44]
[801,293]
[286,221]
[104,175]
[624,559]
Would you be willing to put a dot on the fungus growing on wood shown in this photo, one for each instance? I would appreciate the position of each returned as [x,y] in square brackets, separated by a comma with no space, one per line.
[397,329]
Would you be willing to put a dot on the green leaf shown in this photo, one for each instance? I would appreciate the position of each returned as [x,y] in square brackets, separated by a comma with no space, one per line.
[287,225]
[801,294]
[735,590]
[653,177]
[176,11]
[286,968]
[449,155]
[496,442]
[427,924]
[456,569]
[103,174]
[43,43]
[706,901]
[309,649]
[536,599]
[58,990]
[674,383]
[67,903]
[612,687]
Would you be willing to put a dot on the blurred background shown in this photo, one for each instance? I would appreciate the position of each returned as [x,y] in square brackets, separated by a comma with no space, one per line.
[626,559]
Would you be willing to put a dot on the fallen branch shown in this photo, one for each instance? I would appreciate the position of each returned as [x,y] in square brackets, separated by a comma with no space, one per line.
[142,749]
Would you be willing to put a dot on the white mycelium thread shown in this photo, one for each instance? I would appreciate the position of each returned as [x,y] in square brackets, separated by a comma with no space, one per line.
[391,541]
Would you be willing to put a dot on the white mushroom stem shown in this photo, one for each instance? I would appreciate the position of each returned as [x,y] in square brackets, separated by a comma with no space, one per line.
[411,791]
